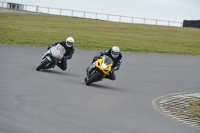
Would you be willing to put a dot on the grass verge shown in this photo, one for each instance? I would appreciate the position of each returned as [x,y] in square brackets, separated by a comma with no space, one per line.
[195,108]
[42,30]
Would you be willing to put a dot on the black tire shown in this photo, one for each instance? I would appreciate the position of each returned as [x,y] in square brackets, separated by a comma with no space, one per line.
[92,78]
[42,65]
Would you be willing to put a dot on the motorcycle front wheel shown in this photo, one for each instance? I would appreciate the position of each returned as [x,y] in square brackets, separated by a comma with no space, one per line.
[42,65]
[92,78]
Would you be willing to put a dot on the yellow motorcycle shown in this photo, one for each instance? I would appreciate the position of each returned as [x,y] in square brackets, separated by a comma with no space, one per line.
[98,69]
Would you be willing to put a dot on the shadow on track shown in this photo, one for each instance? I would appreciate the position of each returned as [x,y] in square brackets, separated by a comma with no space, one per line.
[100,86]
[57,72]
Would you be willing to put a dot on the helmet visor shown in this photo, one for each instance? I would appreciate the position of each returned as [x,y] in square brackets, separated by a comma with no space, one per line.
[69,43]
[115,53]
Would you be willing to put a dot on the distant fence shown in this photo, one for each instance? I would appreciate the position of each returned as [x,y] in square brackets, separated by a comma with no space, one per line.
[93,15]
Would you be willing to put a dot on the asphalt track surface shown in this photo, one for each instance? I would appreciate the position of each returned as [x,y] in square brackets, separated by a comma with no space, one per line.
[56,101]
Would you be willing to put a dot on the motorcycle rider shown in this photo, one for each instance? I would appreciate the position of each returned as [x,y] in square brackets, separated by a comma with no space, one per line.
[69,48]
[115,54]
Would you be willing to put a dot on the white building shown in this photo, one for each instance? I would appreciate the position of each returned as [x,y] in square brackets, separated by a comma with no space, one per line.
[15,6]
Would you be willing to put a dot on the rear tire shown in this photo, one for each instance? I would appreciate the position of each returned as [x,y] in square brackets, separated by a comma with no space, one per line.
[92,78]
[42,65]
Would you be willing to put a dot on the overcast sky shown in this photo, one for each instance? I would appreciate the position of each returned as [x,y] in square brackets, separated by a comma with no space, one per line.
[172,10]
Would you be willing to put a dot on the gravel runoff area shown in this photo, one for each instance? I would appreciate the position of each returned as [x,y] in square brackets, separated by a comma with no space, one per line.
[176,107]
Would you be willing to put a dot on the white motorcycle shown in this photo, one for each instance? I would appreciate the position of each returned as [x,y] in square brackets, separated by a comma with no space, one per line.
[52,57]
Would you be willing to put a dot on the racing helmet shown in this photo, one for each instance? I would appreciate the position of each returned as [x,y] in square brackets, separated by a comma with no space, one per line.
[69,41]
[115,51]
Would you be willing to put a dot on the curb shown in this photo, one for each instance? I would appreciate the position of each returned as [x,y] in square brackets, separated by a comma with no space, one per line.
[176,107]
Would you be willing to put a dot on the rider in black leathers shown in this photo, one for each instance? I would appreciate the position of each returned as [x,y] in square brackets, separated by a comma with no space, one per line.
[69,48]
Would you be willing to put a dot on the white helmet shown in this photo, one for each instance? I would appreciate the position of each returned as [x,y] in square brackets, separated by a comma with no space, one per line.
[69,41]
[115,51]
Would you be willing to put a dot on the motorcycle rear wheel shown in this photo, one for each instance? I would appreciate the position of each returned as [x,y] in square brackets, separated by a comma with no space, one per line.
[92,78]
[42,65]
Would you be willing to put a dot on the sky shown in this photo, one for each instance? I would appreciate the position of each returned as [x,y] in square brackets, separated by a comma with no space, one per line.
[171,10]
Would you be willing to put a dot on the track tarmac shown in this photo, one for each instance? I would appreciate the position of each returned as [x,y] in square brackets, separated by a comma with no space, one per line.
[56,101]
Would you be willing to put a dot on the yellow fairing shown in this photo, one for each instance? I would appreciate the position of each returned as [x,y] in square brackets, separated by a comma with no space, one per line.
[100,63]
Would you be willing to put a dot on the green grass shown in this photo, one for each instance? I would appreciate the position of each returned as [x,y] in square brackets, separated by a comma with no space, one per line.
[42,30]
[195,108]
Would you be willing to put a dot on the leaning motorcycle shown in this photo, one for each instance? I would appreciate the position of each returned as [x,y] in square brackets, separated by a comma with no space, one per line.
[98,69]
[52,57]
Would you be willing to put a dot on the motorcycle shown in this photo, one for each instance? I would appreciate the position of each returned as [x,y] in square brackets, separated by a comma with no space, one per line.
[52,57]
[98,69]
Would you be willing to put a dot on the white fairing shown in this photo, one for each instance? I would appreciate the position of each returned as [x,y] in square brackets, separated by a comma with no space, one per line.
[58,51]
[48,52]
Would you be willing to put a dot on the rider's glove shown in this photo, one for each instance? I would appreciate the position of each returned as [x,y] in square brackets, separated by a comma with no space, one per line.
[113,70]
[51,45]
[97,57]
[65,57]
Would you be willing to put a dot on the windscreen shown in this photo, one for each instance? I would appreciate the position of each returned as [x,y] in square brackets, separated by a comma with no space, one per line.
[108,60]
[61,49]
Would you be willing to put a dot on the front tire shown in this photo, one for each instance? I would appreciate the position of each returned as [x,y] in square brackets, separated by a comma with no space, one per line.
[92,78]
[42,65]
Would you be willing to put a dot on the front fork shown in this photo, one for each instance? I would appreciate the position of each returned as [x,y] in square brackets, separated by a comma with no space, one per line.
[90,72]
